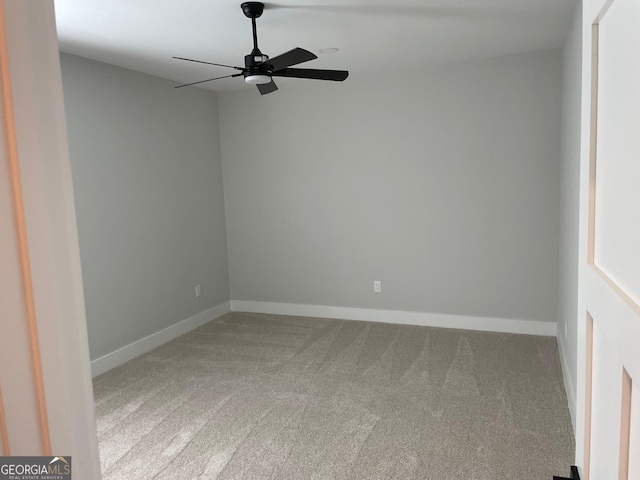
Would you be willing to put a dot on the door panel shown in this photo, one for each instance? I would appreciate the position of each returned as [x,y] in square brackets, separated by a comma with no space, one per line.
[606,403]
[617,182]
[608,438]
[634,435]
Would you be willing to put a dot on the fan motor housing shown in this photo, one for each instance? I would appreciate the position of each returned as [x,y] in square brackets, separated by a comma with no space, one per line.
[252,60]
[252,9]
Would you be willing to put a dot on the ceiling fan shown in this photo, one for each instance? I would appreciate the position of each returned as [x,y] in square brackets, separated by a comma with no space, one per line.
[259,69]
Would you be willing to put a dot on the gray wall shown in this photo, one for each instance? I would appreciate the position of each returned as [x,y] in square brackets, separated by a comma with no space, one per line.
[569,199]
[444,185]
[148,192]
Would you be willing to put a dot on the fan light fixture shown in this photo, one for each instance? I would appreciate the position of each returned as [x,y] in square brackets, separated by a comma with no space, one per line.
[257,79]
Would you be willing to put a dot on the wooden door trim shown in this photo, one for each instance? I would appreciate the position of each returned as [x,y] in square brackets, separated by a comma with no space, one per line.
[4,435]
[618,291]
[593,146]
[588,397]
[625,426]
[593,138]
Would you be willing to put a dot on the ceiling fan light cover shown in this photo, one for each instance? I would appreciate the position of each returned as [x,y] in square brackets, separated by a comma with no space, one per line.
[257,79]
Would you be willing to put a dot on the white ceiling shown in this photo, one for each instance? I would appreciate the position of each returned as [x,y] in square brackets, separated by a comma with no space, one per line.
[143,35]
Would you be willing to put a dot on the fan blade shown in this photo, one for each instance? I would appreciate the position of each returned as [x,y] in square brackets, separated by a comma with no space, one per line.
[335,75]
[208,80]
[267,87]
[292,57]
[207,63]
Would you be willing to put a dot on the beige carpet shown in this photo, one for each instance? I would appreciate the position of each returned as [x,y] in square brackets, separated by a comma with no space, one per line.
[272,397]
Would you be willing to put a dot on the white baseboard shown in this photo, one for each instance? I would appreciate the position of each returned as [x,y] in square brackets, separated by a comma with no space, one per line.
[568,385]
[126,353]
[505,325]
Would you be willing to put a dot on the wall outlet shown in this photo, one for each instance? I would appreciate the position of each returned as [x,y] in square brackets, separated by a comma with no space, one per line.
[198,291]
[377,286]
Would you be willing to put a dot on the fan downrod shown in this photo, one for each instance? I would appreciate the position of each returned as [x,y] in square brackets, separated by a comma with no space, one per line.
[252,9]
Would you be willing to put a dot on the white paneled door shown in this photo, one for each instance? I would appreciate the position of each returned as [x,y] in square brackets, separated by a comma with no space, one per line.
[608,429]
[46,396]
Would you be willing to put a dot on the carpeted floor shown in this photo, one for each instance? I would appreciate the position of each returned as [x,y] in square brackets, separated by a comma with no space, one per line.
[251,396]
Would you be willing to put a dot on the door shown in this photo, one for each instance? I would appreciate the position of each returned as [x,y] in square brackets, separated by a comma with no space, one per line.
[46,401]
[608,421]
